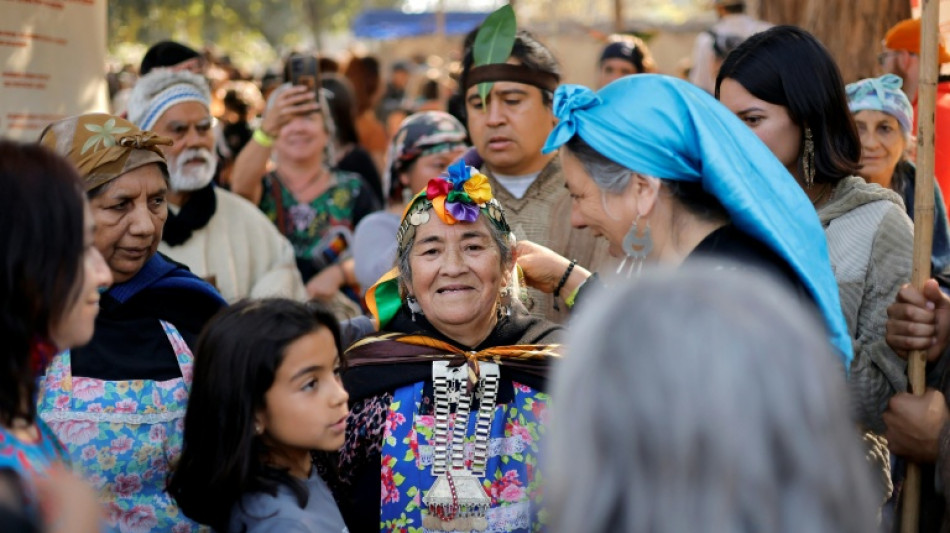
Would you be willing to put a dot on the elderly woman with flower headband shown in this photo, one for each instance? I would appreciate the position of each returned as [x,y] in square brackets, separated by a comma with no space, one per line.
[118,403]
[452,331]
[885,119]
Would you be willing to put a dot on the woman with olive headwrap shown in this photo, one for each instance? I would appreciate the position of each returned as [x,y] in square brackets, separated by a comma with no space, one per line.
[118,403]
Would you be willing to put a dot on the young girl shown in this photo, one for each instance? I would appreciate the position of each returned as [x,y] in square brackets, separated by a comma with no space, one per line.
[266,396]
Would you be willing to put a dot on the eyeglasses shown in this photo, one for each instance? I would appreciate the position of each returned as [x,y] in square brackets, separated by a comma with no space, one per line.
[882,57]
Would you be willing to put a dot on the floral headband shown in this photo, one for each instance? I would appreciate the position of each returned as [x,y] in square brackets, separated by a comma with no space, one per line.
[459,195]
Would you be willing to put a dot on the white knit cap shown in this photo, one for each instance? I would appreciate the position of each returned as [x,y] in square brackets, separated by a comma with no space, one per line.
[159,90]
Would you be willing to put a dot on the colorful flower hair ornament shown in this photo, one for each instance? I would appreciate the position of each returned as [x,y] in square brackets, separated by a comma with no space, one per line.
[459,195]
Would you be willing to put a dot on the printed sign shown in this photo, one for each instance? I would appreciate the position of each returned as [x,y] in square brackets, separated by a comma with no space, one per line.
[53,56]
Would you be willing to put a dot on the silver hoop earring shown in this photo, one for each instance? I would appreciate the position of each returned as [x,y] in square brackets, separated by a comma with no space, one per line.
[636,247]
[414,307]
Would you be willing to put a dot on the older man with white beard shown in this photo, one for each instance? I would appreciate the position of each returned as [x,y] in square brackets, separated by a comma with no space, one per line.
[217,234]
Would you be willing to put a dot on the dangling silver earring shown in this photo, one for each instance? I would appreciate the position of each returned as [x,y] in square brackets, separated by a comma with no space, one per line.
[406,194]
[414,307]
[636,247]
[808,158]
[504,301]
[258,430]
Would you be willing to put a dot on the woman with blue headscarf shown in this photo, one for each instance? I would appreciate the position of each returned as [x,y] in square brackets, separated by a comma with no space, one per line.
[666,174]
[885,119]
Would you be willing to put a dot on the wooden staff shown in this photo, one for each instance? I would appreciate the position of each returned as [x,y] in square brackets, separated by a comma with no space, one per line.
[923,224]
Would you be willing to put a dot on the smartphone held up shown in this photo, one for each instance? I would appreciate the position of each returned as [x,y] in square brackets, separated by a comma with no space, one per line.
[304,70]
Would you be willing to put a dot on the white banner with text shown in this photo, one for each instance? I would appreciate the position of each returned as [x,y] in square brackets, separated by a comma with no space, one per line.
[53,55]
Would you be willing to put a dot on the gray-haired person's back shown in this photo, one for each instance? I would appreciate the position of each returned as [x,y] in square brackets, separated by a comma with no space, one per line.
[703,400]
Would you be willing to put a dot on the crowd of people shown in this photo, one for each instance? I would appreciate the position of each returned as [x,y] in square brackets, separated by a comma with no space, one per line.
[511,304]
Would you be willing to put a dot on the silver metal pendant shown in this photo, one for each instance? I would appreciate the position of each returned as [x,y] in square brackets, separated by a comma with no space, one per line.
[457,501]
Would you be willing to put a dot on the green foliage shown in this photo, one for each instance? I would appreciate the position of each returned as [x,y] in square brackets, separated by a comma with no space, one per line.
[493,43]
[250,31]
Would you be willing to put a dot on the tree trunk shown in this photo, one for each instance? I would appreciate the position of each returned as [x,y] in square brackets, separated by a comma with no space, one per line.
[851,29]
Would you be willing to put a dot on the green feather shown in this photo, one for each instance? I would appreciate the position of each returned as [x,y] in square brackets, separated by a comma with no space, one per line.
[493,43]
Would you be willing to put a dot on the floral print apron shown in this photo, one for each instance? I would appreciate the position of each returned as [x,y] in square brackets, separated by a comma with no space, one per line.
[122,437]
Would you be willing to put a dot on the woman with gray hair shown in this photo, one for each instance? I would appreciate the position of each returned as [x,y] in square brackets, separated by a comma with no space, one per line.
[716,436]
[457,351]
[666,174]
[885,118]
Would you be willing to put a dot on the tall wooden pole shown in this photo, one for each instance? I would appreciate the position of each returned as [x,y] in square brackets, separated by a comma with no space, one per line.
[923,223]
[618,16]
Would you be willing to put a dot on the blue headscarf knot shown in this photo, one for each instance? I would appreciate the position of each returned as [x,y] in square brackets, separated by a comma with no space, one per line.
[570,99]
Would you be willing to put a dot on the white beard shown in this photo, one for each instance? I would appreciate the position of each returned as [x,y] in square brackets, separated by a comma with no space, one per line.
[193,177]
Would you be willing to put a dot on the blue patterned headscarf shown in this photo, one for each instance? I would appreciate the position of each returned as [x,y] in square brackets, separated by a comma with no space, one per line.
[882,94]
[669,129]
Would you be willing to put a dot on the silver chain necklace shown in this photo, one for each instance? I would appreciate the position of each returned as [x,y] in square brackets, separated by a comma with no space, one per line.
[457,500]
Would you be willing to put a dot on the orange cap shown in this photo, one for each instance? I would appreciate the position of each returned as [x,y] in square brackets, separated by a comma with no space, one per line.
[905,35]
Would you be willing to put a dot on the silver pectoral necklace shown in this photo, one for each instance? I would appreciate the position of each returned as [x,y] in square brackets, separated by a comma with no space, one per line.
[457,501]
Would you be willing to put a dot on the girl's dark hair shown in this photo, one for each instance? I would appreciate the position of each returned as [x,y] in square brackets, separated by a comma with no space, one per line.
[236,359]
[788,66]
[342,108]
[41,255]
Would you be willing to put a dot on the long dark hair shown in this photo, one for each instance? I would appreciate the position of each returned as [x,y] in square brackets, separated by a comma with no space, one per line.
[788,66]
[236,359]
[363,73]
[342,107]
[41,249]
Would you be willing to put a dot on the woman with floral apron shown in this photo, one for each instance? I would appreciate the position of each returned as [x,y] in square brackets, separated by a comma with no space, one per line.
[118,403]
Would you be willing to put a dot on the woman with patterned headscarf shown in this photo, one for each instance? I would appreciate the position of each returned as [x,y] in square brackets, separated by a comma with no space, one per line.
[118,403]
[885,119]
[452,331]
[423,147]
